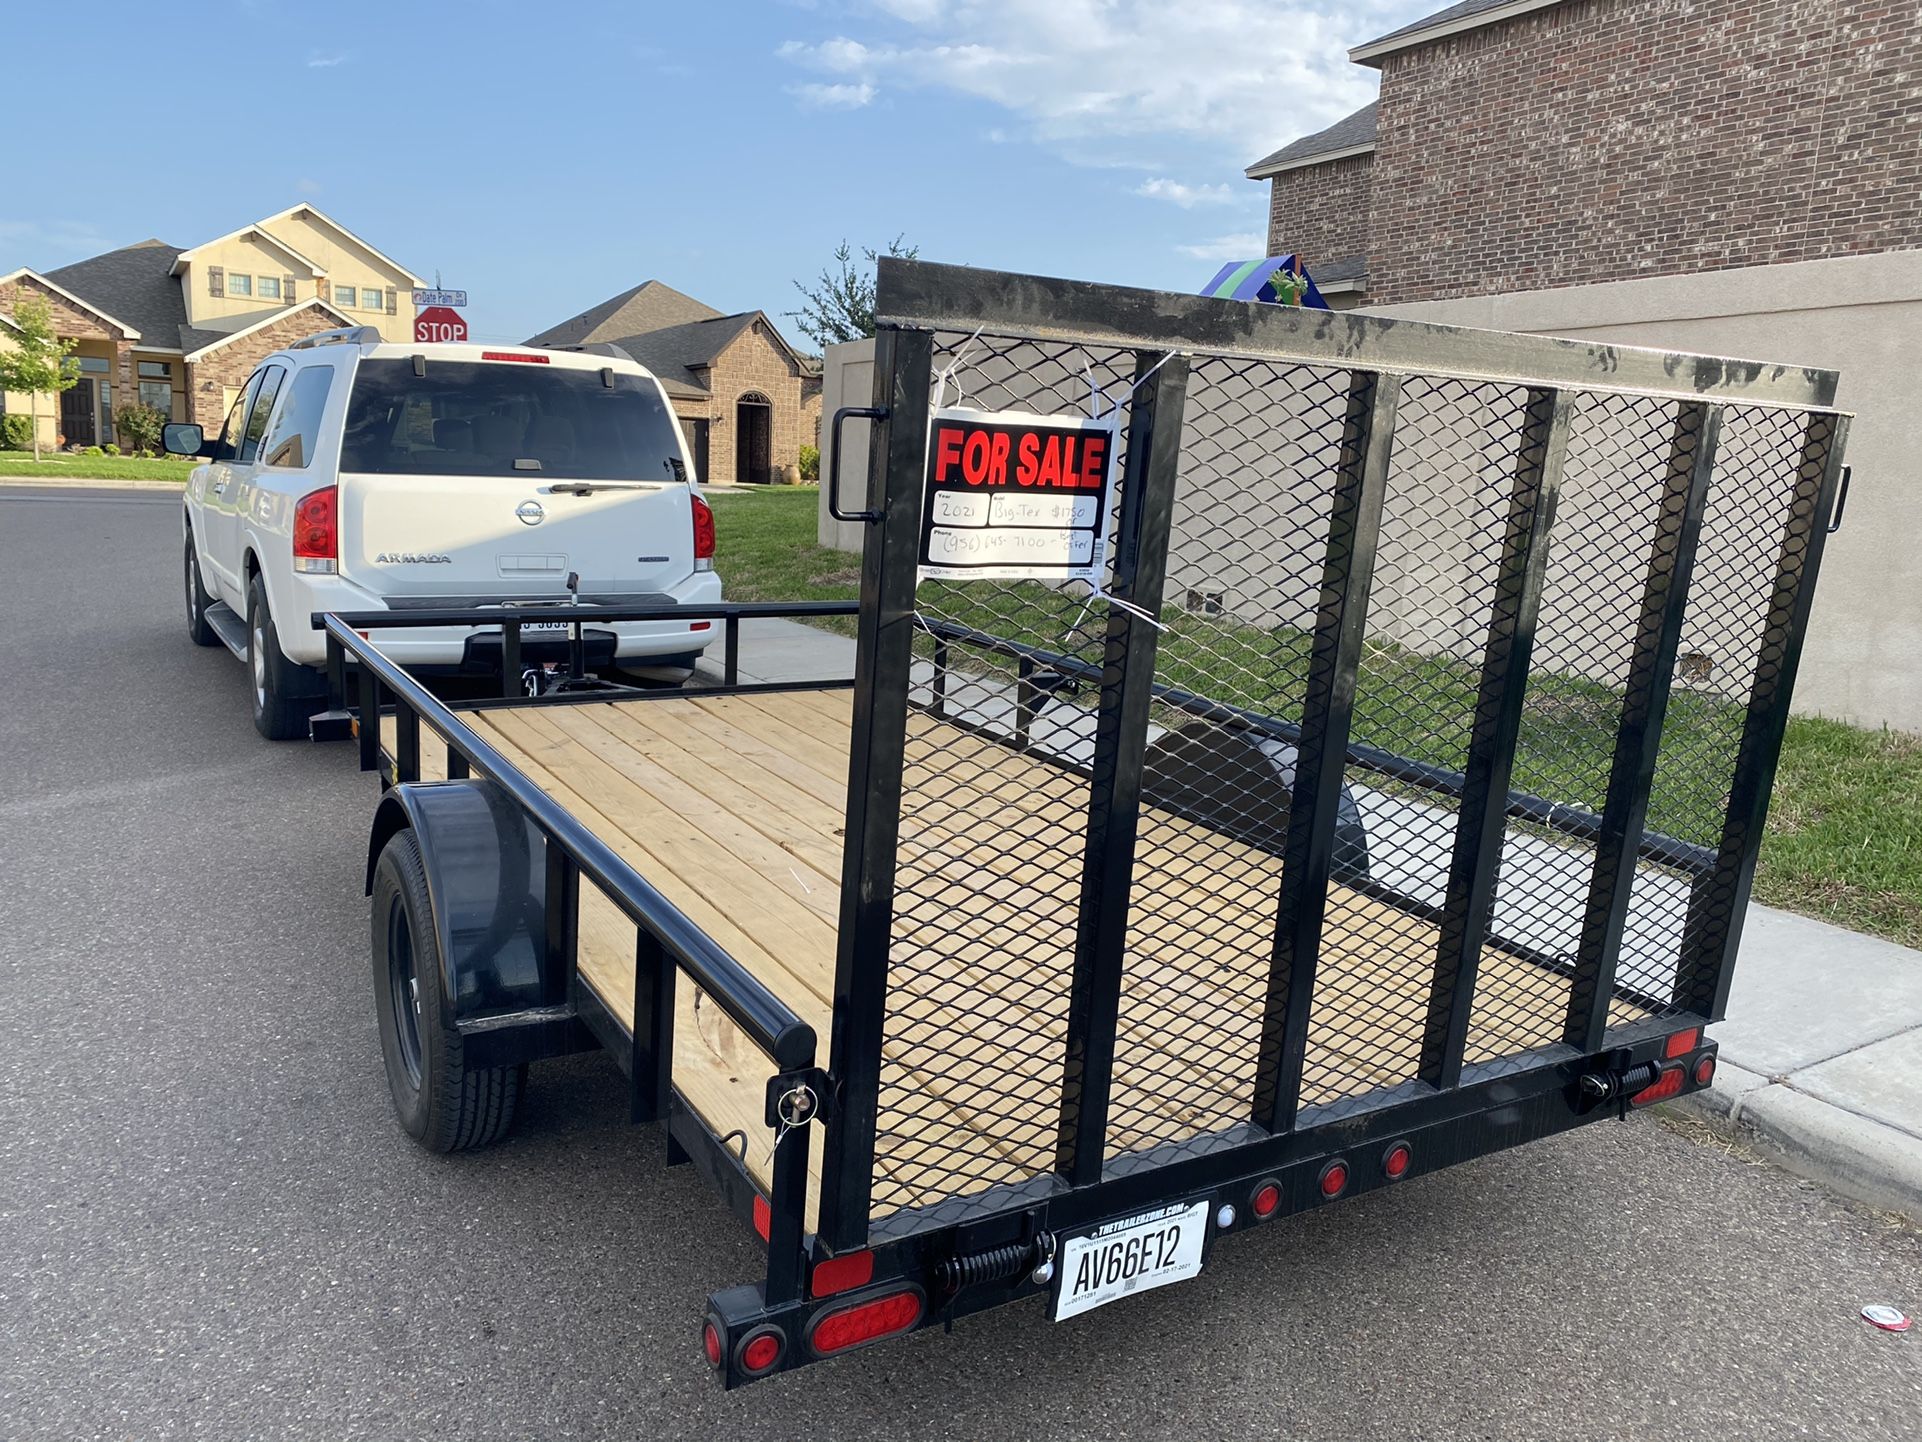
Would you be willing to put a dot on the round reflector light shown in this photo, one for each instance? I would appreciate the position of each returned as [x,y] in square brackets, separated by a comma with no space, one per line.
[711,1344]
[1266,1200]
[1334,1179]
[761,1351]
[1395,1161]
[1705,1070]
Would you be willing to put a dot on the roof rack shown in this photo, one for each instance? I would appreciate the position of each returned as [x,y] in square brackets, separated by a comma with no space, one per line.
[345,335]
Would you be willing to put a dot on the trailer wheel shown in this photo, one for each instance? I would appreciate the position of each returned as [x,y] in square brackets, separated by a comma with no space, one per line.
[198,631]
[441,1104]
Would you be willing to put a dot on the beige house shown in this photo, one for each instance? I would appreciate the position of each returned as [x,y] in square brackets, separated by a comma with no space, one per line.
[182,329]
[748,401]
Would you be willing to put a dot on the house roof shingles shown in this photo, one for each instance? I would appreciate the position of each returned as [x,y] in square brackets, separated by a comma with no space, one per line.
[1345,134]
[649,306]
[134,284]
[1466,10]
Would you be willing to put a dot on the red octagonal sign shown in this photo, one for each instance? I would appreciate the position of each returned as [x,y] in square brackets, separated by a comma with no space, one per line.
[439,322]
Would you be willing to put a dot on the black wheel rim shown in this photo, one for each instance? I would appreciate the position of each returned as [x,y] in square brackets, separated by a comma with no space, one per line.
[405,988]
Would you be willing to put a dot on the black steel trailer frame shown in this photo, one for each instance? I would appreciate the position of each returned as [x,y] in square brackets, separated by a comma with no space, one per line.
[969,1252]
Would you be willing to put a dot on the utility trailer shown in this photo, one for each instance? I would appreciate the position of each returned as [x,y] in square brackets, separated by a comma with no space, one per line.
[1383,790]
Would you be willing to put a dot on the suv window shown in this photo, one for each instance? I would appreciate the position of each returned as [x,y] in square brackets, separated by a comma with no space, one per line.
[229,443]
[270,380]
[291,441]
[475,418]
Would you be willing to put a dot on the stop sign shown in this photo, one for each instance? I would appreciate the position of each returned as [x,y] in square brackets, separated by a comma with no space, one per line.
[439,322]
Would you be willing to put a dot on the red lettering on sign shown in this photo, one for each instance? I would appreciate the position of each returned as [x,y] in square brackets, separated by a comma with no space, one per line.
[974,458]
[1030,453]
[1094,459]
[947,452]
[998,459]
[1050,472]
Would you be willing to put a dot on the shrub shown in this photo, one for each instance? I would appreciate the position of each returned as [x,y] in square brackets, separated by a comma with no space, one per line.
[111,449]
[810,463]
[140,426]
[92,451]
[16,433]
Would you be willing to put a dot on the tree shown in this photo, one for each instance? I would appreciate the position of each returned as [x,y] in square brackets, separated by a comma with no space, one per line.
[840,305]
[140,426]
[39,361]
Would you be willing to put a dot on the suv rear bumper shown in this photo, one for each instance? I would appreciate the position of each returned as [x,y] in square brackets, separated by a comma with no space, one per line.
[465,649]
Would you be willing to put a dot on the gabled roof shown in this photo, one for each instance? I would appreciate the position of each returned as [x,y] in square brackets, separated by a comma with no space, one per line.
[205,341]
[649,306]
[675,353]
[180,260]
[328,220]
[136,282]
[131,332]
[1351,135]
[1468,15]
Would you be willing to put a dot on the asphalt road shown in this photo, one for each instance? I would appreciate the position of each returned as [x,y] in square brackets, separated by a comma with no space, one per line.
[210,1226]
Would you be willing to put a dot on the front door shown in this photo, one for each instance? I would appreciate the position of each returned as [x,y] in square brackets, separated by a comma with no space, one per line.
[697,442]
[77,414]
[754,434]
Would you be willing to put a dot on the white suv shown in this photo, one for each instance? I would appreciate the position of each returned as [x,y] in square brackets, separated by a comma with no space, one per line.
[359,475]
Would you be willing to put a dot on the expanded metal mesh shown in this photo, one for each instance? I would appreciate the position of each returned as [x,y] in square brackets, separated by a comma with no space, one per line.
[994,816]
[996,894]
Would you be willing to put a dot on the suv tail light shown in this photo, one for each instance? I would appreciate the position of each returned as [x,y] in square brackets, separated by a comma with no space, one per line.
[317,532]
[703,535]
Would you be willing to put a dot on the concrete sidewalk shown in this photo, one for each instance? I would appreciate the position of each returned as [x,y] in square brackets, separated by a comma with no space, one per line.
[1821,1061]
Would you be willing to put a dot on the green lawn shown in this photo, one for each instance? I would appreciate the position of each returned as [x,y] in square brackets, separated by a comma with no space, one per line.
[19,465]
[1845,827]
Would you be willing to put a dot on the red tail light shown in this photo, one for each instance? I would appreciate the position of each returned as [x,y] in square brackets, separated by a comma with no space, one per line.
[1705,1070]
[1667,1084]
[1682,1043]
[864,1322]
[763,1218]
[703,534]
[1395,1161]
[1334,1179]
[761,1351]
[711,1343]
[841,1274]
[317,531]
[1265,1201]
[514,355]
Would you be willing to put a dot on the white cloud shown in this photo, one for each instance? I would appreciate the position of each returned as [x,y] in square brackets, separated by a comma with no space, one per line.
[1243,245]
[833,97]
[1241,76]
[1188,196]
[318,61]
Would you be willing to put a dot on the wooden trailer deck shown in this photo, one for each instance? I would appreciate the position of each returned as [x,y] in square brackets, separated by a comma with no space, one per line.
[733,806]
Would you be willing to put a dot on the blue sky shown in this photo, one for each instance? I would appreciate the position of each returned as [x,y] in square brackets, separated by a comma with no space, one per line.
[543,157]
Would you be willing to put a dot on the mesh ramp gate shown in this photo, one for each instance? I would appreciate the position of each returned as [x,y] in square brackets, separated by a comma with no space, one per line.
[1384,802]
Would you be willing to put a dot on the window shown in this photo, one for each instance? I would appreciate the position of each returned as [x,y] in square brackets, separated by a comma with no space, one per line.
[344,297]
[270,287]
[229,441]
[257,417]
[92,365]
[291,441]
[154,370]
[239,284]
[475,418]
[373,297]
[159,395]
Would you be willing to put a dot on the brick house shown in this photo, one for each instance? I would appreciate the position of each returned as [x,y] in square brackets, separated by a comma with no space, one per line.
[747,399]
[181,329]
[1732,177]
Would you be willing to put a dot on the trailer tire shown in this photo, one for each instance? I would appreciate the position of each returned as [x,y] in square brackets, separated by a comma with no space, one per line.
[440,1103]
[198,631]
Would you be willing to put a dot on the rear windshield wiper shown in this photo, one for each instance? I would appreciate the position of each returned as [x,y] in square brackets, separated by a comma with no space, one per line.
[587,488]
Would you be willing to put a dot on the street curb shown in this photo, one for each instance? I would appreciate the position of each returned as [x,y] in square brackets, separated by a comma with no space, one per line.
[94,483]
[1850,1154]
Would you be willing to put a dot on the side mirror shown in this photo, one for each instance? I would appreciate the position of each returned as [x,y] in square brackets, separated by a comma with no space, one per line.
[183,438]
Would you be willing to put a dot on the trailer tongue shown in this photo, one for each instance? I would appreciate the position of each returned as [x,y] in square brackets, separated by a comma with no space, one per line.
[1350,763]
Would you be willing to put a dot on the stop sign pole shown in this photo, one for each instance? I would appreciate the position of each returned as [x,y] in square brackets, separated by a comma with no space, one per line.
[439,323]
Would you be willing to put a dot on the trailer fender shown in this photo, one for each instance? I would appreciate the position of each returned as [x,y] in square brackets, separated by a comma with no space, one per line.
[486,877]
[1238,782]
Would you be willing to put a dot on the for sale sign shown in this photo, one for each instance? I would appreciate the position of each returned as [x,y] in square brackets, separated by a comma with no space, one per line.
[1016,496]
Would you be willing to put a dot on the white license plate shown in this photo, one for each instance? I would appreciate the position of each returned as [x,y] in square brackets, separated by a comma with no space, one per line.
[1136,1254]
[535,628]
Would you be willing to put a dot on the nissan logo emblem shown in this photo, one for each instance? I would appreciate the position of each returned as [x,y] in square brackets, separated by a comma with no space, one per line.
[530,513]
